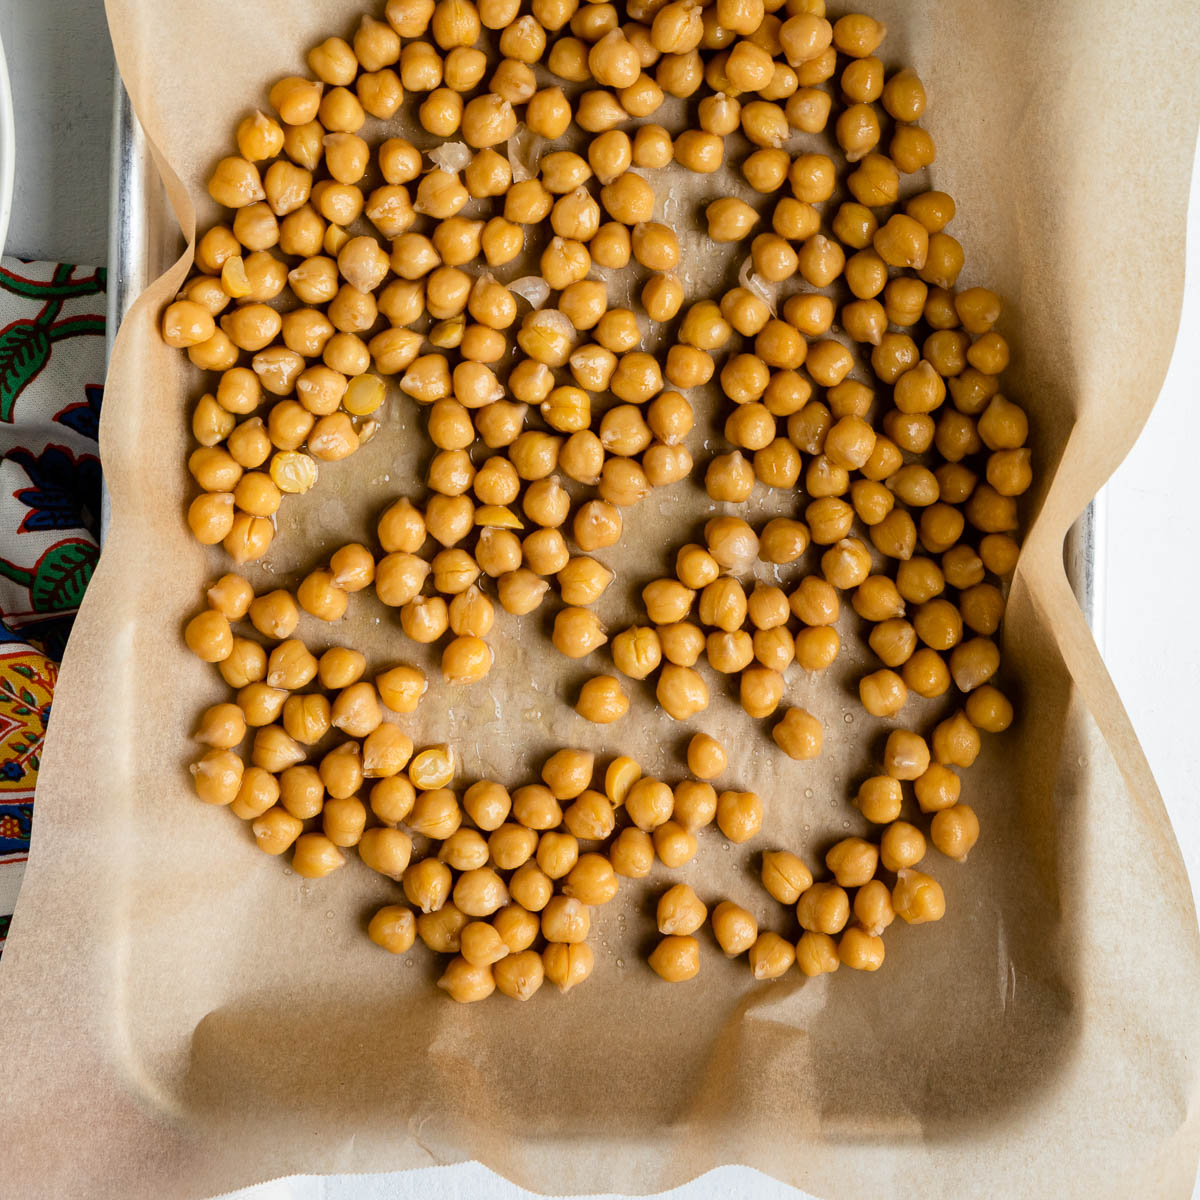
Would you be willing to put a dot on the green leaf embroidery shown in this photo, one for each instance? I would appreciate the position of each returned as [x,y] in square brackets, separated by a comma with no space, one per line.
[23,669]
[24,351]
[28,697]
[62,575]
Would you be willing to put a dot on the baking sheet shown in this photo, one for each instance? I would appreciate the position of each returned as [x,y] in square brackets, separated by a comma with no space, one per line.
[990,1028]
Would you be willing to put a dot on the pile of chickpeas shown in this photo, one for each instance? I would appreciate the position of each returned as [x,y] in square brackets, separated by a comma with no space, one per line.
[858,379]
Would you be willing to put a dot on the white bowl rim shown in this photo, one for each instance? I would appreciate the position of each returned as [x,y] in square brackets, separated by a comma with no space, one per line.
[8,149]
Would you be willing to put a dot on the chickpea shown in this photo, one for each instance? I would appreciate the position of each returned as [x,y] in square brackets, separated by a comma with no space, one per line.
[676,958]
[918,898]
[739,815]
[565,920]
[785,876]
[519,928]
[632,853]
[466,982]
[217,777]
[209,637]
[394,928]
[988,709]
[852,861]
[771,956]
[567,965]
[386,850]
[735,929]
[706,757]
[442,930]
[480,893]
[392,799]
[816,954]
[259,791]
[883,693]
[591,880]
[427,884]
[275,831]
[823,908]
[954,831]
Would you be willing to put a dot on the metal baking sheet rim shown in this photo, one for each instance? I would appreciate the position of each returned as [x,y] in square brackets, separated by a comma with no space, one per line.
[141,236]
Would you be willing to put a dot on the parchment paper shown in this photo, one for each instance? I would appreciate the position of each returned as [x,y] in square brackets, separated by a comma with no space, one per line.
[181,1016]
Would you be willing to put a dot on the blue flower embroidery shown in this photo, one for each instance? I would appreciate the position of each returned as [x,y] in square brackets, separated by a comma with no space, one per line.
[65,492]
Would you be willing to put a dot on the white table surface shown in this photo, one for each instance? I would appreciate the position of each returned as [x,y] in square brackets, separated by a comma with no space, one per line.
[62,89]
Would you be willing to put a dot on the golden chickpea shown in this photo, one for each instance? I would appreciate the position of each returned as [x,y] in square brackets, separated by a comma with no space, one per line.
[519,929]
[394,928]
[852,861]
[480,893]
[427,884]
[735,929]
[259,791]
[816,954]
[823,908]
[729,653]
[209,637]
[785,876]
[760,690]
[260,703]
[481,944]
[771,956]
[680,911]
[954,831]
[567,965]
[676,958]
[674,845]
[393,798]
[275,831]
[217,777]
[512,846]
[774,648]
[386,751]
[883,693]
[565,920]
[632,853]
[739,815]
[649,804]
[442,930]
[465,982]
[591,880]
[861,950]
[918,898]
[901,846]
[386,850]
[798,734]
[577,632]
[706,756]
[989,709]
